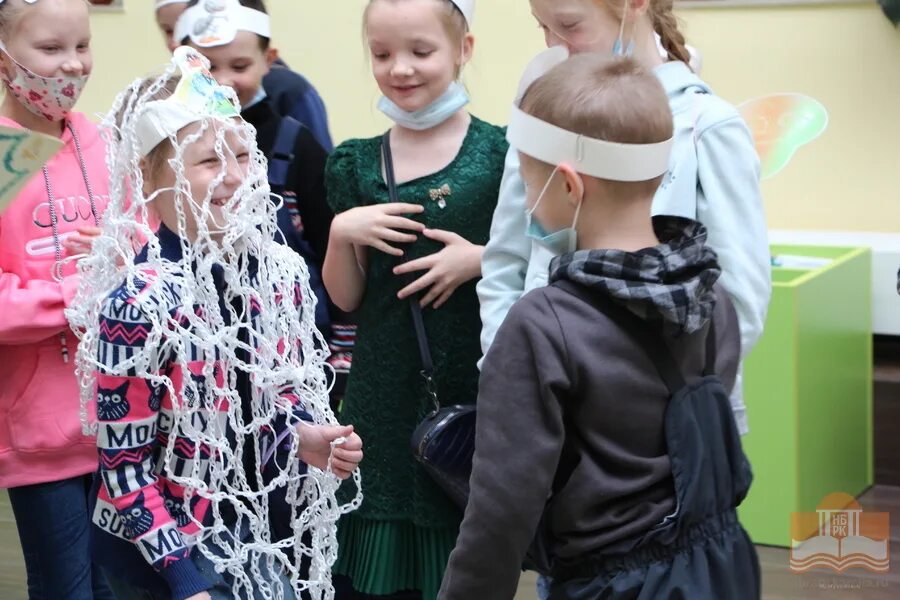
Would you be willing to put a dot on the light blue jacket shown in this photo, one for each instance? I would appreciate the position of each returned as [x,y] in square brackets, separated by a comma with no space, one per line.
[713,177]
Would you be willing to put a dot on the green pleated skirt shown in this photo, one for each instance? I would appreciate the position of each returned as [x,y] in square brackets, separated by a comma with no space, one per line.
[386,557]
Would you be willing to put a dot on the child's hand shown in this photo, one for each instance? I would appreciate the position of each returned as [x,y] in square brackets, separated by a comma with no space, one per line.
[457,263]
[315,448]
[200,596]
[81,242]
[377,225]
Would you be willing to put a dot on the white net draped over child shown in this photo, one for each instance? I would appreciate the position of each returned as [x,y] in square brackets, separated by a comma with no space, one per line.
[247,312]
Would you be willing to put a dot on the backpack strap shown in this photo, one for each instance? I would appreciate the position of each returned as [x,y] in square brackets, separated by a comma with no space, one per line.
[710,368]
[651,340]
[283,153]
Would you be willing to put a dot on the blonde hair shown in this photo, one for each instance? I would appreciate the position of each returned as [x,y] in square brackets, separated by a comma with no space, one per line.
[612,99]
[10,12]
[662,17]
[455,23]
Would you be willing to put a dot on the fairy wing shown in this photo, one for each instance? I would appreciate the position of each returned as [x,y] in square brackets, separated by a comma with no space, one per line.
[781,124]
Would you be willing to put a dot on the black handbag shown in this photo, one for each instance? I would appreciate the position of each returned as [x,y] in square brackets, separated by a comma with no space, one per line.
[444,442]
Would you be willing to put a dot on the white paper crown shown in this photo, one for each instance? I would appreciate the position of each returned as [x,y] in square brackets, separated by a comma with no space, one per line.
[216,23]
[197,97]
[556,146]
[160,3]
[467,8]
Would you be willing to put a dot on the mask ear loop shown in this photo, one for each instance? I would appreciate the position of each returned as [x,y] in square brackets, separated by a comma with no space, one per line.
[531,210]
[618,49]
[577,213]
[579,157]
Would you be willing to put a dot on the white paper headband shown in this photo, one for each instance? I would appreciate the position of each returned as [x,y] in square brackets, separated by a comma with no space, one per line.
[555,145]
[160,3]
[597,158]
[467,8]
[212,23]
[197,97]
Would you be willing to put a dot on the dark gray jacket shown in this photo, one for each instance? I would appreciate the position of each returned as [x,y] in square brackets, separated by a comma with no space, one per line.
[570,444]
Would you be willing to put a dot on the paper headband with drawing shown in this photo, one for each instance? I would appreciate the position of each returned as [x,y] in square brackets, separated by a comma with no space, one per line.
[216,22]
[557,146]
[197,97]
[212,23]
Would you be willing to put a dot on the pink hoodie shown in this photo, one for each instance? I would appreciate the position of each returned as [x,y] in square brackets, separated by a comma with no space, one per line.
[40,428]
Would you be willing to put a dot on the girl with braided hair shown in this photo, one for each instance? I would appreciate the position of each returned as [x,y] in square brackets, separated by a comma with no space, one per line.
[713,173]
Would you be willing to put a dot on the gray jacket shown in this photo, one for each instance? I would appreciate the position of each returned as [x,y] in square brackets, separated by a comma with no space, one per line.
[570,443]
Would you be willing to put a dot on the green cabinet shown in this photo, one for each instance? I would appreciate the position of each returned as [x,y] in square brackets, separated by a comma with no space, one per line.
[808,390]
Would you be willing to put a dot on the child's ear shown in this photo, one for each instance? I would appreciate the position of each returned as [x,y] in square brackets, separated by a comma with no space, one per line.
[574,184]
[271,56]
[468,49]
[6,69]
[144,166]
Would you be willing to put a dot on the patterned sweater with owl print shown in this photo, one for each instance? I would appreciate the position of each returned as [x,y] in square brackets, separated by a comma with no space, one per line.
[141,518]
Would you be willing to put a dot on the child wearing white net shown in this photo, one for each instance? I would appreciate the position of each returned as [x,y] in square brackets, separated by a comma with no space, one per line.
[200,349]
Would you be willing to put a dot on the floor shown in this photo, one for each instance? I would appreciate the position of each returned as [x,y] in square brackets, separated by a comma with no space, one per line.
[779,583]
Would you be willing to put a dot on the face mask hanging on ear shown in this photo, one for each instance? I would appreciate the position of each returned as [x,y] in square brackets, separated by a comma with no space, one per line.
[559,242]
[432,115]
[52,98]
[619,48]
[586,156]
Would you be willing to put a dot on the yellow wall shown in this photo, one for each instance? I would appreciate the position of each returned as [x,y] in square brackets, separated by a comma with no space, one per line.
[848,57]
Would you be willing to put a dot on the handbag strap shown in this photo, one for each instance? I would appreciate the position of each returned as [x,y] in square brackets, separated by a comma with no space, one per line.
[414,308]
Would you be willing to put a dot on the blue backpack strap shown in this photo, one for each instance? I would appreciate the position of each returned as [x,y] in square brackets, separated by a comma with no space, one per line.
[283,153]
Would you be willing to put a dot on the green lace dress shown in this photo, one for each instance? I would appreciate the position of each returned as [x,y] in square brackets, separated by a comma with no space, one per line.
[402,535]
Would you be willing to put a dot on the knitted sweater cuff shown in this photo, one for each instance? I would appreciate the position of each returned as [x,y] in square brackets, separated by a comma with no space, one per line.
[184,579]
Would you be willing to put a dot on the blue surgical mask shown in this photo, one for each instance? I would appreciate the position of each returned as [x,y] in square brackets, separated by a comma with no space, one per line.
[432,115]
[559,242]
[259,97]
[618,50]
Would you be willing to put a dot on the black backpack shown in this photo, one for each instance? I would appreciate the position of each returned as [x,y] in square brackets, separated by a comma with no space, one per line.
[279,166]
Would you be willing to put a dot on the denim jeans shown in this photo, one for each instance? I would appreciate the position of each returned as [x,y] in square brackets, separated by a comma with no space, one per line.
[54,530]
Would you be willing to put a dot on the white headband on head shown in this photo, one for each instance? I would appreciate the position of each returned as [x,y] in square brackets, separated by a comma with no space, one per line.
[212,23]
[467,8]
[161,3]
[197,97]
[556,146]
[597,158]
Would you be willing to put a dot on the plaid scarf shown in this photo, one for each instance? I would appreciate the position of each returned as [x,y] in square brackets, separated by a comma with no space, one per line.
[670,284]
